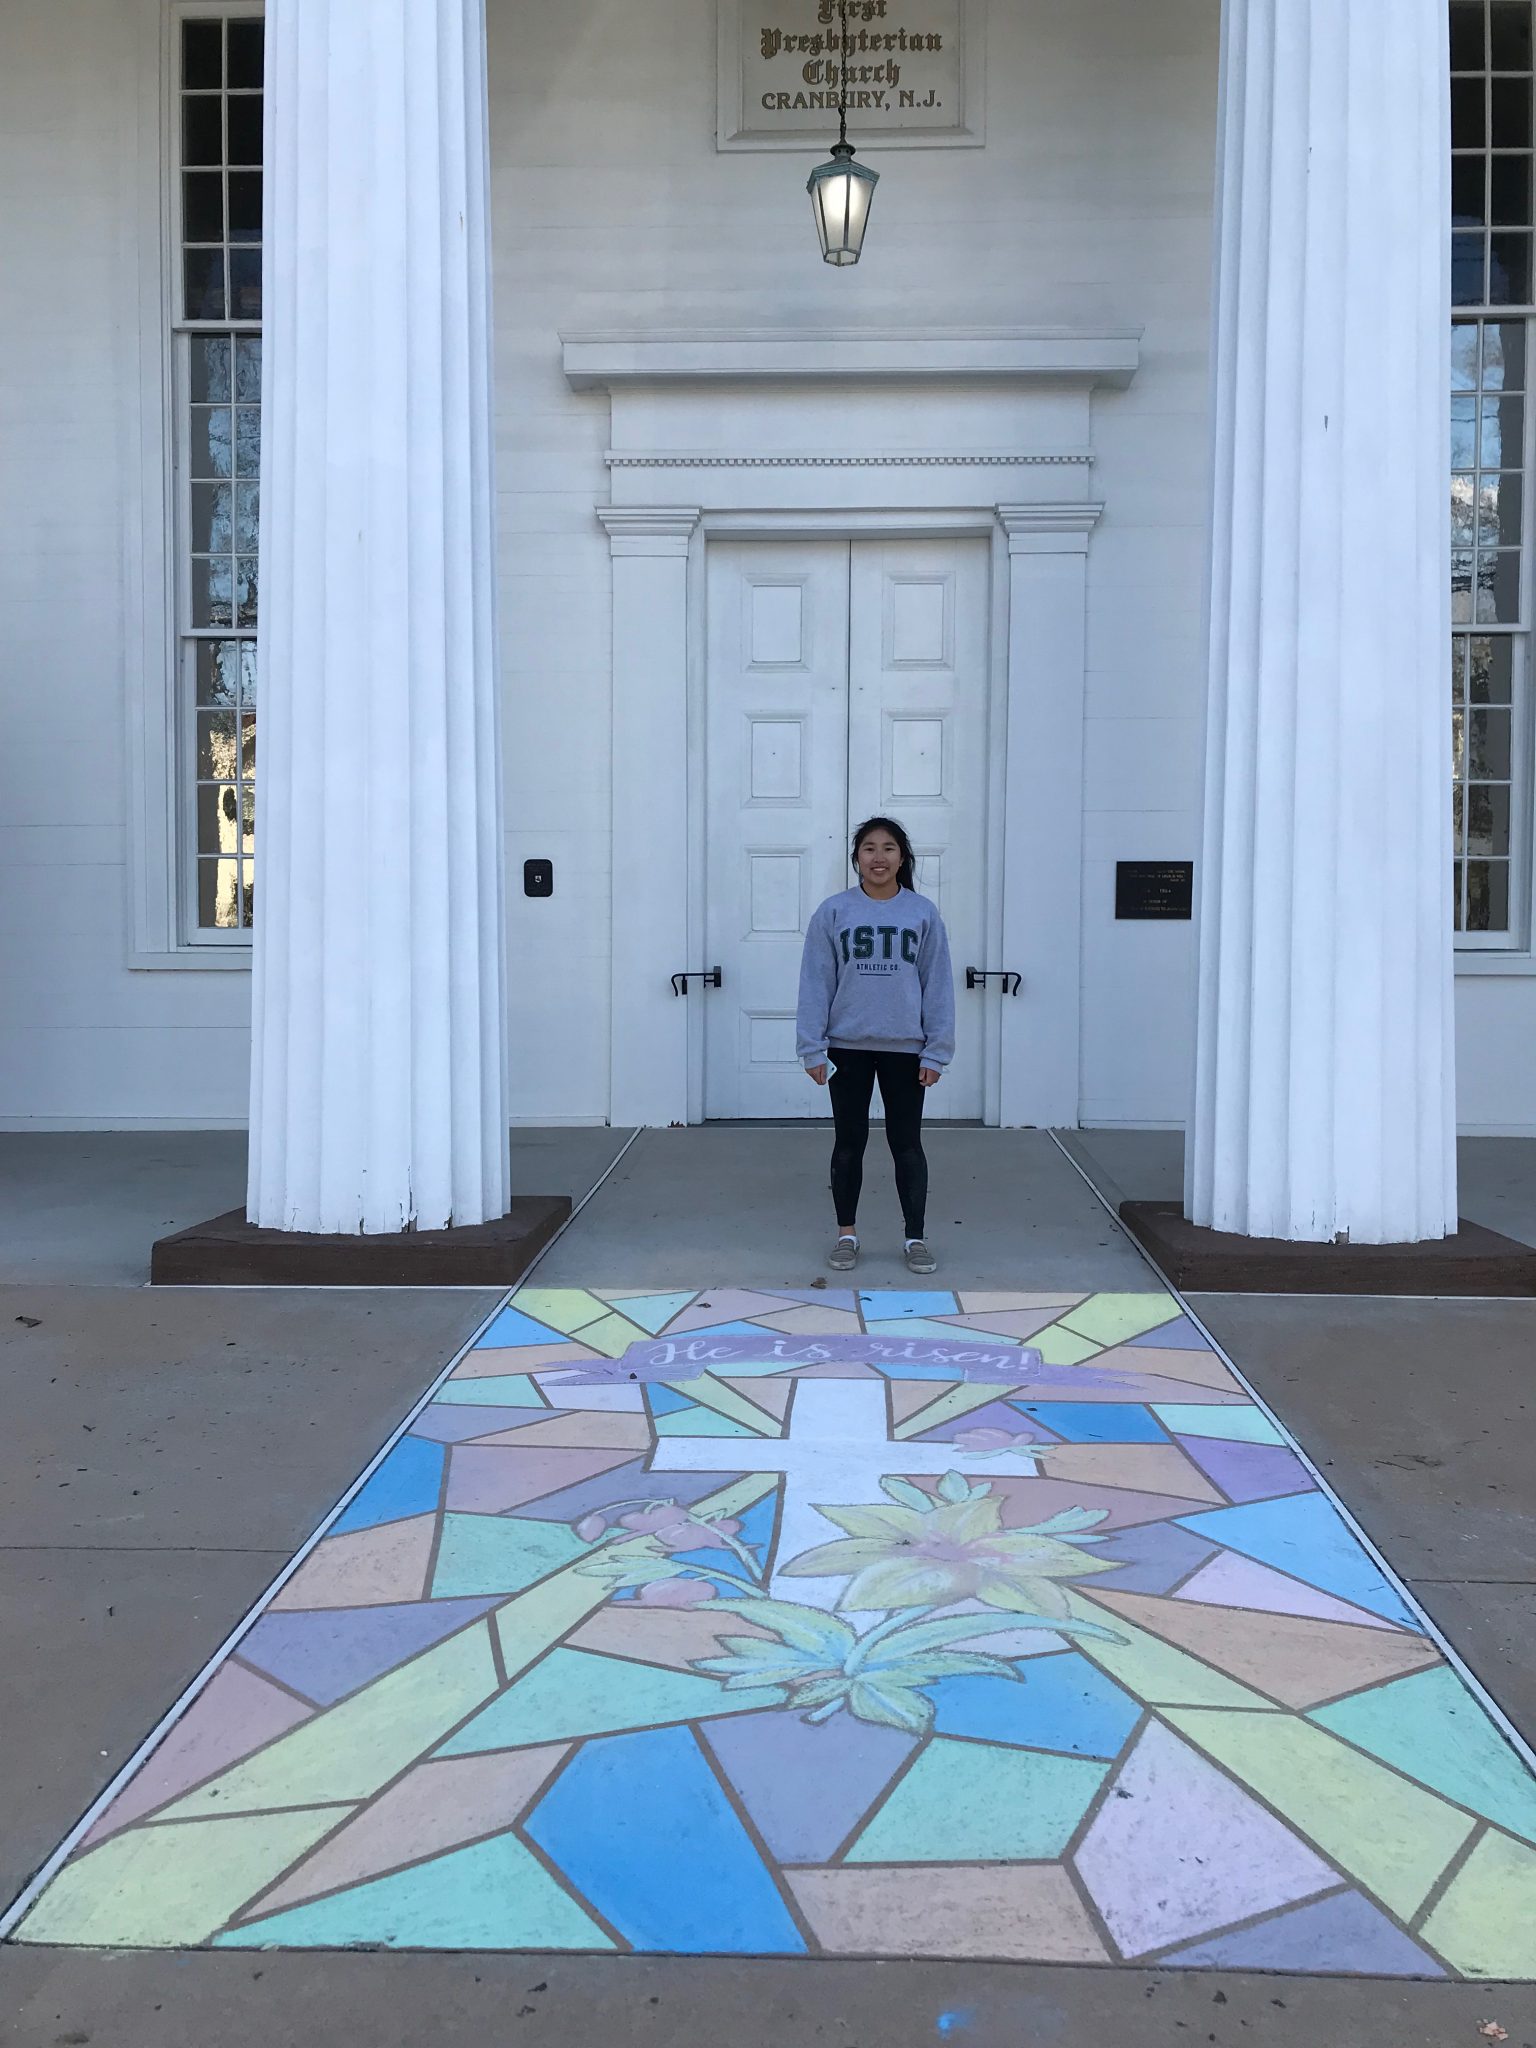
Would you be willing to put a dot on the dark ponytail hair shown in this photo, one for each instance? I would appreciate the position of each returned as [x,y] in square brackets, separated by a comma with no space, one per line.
[905,875]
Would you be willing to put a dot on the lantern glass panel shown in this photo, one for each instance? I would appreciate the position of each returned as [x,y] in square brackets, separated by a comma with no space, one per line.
[840,198]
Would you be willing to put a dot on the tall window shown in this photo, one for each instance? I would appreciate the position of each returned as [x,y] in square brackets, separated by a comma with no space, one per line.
[217,220]
[1492,307]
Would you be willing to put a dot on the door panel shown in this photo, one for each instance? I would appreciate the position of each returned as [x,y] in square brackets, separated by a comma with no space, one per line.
[917,744]
[842,680]
[777,768]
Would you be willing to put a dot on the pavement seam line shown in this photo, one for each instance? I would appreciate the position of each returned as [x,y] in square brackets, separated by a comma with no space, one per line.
[147,1549]
[596,1189]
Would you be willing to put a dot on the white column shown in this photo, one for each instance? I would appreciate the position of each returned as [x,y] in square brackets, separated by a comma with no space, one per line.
[1043,819]
[1324,1085]
[650,935]
[378,1096]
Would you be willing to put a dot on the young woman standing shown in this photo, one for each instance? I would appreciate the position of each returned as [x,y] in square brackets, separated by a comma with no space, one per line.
[877,1003]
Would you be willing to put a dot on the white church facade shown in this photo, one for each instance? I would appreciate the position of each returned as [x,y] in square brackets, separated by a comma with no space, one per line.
[611,555]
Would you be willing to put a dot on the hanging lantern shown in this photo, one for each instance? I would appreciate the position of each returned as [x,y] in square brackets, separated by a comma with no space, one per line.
[841,190]
[840,194]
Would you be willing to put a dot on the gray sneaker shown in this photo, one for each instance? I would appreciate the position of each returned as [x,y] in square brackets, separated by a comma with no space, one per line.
[919,1258]
[844,1255]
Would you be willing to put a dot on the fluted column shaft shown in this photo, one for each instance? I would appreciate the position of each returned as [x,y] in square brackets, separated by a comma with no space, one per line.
[1324,1093]
[378,1093]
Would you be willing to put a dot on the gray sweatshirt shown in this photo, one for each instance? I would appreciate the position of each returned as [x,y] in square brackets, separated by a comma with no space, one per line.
[875,977]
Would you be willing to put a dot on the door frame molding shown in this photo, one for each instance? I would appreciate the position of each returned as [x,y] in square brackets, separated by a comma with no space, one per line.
[988,437]
[853,526]
[1033,836]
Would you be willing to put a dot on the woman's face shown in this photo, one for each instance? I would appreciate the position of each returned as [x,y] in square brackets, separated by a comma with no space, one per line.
[878,859]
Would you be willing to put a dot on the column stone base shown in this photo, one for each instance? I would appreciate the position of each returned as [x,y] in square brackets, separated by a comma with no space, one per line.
[228,1251]
[1475,1261]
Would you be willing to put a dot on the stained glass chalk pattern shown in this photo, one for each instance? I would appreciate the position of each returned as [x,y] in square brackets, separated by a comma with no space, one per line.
[796,1654]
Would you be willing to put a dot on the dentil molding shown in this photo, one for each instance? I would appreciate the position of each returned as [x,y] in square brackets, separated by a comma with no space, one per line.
[1073,458]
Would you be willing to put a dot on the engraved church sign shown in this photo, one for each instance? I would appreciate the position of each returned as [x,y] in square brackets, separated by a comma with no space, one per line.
[914,73]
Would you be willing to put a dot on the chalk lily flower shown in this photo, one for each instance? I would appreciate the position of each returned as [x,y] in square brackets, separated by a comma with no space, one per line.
[930,1550]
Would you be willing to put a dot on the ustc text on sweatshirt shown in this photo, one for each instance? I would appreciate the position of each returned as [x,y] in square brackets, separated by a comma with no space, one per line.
[876,977]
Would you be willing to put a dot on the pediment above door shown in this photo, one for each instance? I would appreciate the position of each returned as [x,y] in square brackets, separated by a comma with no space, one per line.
[994,355]
[913,417]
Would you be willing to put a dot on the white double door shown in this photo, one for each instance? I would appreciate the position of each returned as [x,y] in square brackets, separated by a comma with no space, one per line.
[844,679]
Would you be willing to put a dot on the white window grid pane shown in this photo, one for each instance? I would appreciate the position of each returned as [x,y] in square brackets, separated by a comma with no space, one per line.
[221,689]
[1488,455]
[1490,734]
[218,505]
[1492,290]
[1490,728]
[1492,259]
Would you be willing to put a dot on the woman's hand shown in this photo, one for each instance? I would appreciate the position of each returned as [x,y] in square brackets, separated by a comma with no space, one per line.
[819,1075]
[928,1075]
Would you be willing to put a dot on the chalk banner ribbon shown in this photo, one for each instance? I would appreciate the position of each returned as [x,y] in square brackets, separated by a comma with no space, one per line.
[686,1358]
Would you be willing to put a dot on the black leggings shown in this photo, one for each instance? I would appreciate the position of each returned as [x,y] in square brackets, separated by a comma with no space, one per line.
[851,1087]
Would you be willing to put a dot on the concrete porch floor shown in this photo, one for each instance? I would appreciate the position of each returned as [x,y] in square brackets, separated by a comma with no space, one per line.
[165,1453]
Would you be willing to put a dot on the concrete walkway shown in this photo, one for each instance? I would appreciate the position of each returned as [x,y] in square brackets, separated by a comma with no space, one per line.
[229,1422]
[1497,1176]
[83,1209]
[752,1204]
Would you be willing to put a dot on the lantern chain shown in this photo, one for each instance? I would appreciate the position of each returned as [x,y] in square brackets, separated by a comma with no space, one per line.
[842,86]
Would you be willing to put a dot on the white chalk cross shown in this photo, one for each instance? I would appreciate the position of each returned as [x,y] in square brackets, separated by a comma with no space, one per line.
[836,1453]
